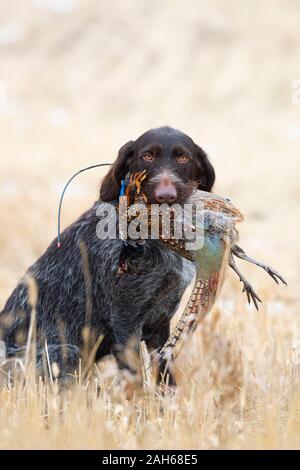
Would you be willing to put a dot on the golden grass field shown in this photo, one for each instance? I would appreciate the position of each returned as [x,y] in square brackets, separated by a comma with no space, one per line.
[79,78]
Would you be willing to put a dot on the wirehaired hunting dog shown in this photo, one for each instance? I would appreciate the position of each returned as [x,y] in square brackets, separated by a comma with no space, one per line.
[113,290]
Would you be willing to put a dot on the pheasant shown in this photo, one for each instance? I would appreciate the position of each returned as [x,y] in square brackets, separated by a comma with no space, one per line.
[212,260]
[217,252]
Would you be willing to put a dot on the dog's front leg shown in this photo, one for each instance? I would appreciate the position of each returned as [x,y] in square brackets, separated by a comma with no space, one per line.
[154,344]
[127,334]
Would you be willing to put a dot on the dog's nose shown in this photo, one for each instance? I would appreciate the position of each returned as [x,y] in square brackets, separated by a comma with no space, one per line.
[165,194]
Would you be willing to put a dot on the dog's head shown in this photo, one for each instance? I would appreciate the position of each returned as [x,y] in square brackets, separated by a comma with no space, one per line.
[175,165]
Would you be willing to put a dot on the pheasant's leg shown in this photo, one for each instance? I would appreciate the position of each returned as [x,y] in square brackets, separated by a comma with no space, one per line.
[247,287]
[239,253]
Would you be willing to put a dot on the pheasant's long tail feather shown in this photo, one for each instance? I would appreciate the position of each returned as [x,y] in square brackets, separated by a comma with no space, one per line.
[200,302]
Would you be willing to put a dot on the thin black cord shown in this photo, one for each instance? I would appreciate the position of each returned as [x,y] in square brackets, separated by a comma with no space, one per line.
[63,193]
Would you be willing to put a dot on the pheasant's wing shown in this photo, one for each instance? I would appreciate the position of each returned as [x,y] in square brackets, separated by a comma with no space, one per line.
[215,203]
[179,247]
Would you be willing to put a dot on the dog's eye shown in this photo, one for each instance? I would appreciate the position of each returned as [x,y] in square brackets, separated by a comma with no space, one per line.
[148,157]
[183,158]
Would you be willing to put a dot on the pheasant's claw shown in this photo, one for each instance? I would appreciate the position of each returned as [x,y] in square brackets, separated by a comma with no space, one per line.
[274,274]
[251,294]
[239,252]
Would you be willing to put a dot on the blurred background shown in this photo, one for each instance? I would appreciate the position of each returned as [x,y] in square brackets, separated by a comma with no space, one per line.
[79,78]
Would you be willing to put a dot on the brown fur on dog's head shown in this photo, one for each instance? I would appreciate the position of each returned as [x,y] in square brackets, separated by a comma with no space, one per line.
[174,164]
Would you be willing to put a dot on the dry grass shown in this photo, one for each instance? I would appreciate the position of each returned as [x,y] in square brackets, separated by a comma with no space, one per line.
[79,85]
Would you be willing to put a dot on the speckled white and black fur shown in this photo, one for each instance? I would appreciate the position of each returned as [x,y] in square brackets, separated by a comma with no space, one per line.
[137,303]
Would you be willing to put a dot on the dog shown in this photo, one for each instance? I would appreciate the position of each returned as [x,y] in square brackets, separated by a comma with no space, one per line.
[110,289]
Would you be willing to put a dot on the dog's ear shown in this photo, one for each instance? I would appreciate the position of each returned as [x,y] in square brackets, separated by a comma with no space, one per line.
[206,174]
[111,184]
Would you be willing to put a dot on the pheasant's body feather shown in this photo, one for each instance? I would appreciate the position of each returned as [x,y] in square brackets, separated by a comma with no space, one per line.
[212,260]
